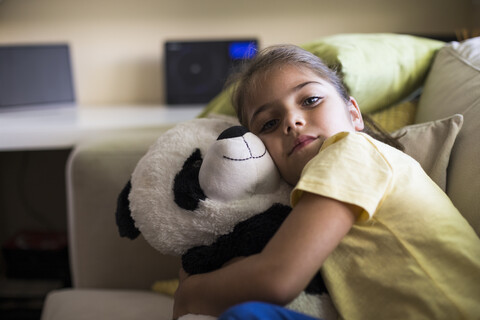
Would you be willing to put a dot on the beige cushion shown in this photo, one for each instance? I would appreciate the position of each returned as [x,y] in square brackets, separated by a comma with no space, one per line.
[430,144]
[453,86]
[76,304]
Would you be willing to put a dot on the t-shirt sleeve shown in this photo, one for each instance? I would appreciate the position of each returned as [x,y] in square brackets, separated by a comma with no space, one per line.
[349,168]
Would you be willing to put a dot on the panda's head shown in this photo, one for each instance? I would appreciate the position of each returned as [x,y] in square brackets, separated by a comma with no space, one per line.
[198,181]
[237,166]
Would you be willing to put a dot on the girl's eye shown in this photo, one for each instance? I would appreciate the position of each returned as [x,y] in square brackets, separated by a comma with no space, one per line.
[269,125]
[311,101]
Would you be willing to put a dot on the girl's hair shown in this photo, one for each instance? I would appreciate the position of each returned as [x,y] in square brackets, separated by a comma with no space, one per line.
[245,81]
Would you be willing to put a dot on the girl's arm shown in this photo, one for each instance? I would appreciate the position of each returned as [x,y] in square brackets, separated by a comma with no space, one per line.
[282,270]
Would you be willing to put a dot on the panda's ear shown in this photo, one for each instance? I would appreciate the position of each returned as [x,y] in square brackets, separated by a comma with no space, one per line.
[233,132]
[186,187]
[125,222]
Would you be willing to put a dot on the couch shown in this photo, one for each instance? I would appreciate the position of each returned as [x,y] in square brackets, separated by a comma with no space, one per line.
[112,276]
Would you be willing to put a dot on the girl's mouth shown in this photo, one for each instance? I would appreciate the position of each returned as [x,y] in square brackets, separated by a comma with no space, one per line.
[301,142]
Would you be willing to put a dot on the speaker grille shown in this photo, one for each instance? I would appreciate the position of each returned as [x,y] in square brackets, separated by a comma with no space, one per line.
[197,70]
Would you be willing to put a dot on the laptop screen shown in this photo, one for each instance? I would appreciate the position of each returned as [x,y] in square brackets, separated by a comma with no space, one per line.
[35,74]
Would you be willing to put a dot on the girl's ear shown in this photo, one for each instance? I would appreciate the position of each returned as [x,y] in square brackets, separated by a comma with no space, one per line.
[355,114]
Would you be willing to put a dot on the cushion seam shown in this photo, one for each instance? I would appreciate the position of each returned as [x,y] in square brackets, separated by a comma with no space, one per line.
[463,59]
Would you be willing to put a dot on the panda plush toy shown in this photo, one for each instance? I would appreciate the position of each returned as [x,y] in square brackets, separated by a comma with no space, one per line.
[207,190]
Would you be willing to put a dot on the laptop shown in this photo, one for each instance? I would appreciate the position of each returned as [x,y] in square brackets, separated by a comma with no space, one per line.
[35,76]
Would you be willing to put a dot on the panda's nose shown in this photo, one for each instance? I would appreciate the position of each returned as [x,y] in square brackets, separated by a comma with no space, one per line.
[242,148]
[233,132]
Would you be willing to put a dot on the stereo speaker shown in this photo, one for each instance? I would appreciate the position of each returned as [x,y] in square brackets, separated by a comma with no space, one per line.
[196,71]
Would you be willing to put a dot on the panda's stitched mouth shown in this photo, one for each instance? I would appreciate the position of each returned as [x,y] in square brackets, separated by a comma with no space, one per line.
[249,151]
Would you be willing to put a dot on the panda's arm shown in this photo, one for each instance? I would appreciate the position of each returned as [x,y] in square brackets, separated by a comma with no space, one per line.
[247,238]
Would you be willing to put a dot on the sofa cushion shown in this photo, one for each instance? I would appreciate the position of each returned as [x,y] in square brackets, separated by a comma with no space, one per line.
[453,86]
[96,173]
[430,143]
[78,304]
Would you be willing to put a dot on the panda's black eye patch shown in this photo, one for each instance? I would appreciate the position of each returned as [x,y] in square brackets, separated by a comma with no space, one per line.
[186,186]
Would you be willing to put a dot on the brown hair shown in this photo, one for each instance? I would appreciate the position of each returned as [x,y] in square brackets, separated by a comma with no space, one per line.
[278,55]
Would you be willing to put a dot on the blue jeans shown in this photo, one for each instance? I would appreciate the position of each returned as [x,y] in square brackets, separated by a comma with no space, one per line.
[261,310]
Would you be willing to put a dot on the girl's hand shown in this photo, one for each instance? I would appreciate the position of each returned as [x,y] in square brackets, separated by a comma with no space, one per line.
[178,306]
[182,275]
[178,309]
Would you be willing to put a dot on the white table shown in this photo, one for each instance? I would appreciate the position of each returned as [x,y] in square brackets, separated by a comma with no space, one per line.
[63,126]
[55,130]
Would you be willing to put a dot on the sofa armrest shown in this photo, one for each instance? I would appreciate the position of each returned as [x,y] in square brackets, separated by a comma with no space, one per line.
[96,173]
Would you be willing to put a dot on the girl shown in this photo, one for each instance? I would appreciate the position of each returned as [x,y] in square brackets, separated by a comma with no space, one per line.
[389,242]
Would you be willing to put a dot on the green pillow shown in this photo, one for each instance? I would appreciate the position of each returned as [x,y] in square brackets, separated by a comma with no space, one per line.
[379,69]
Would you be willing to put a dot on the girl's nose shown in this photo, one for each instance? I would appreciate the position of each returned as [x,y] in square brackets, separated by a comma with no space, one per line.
[292,121]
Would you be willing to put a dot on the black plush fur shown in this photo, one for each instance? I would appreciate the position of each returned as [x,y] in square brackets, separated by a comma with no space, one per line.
[233,132]
[123,217]
[248,237]
[186,187]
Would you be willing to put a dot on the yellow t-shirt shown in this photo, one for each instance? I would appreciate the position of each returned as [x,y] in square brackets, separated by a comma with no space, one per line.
[411,254]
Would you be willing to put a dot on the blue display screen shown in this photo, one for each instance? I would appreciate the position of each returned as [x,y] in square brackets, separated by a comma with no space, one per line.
[242,49]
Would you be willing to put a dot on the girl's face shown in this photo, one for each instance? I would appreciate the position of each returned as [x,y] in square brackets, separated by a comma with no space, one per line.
[294,111]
